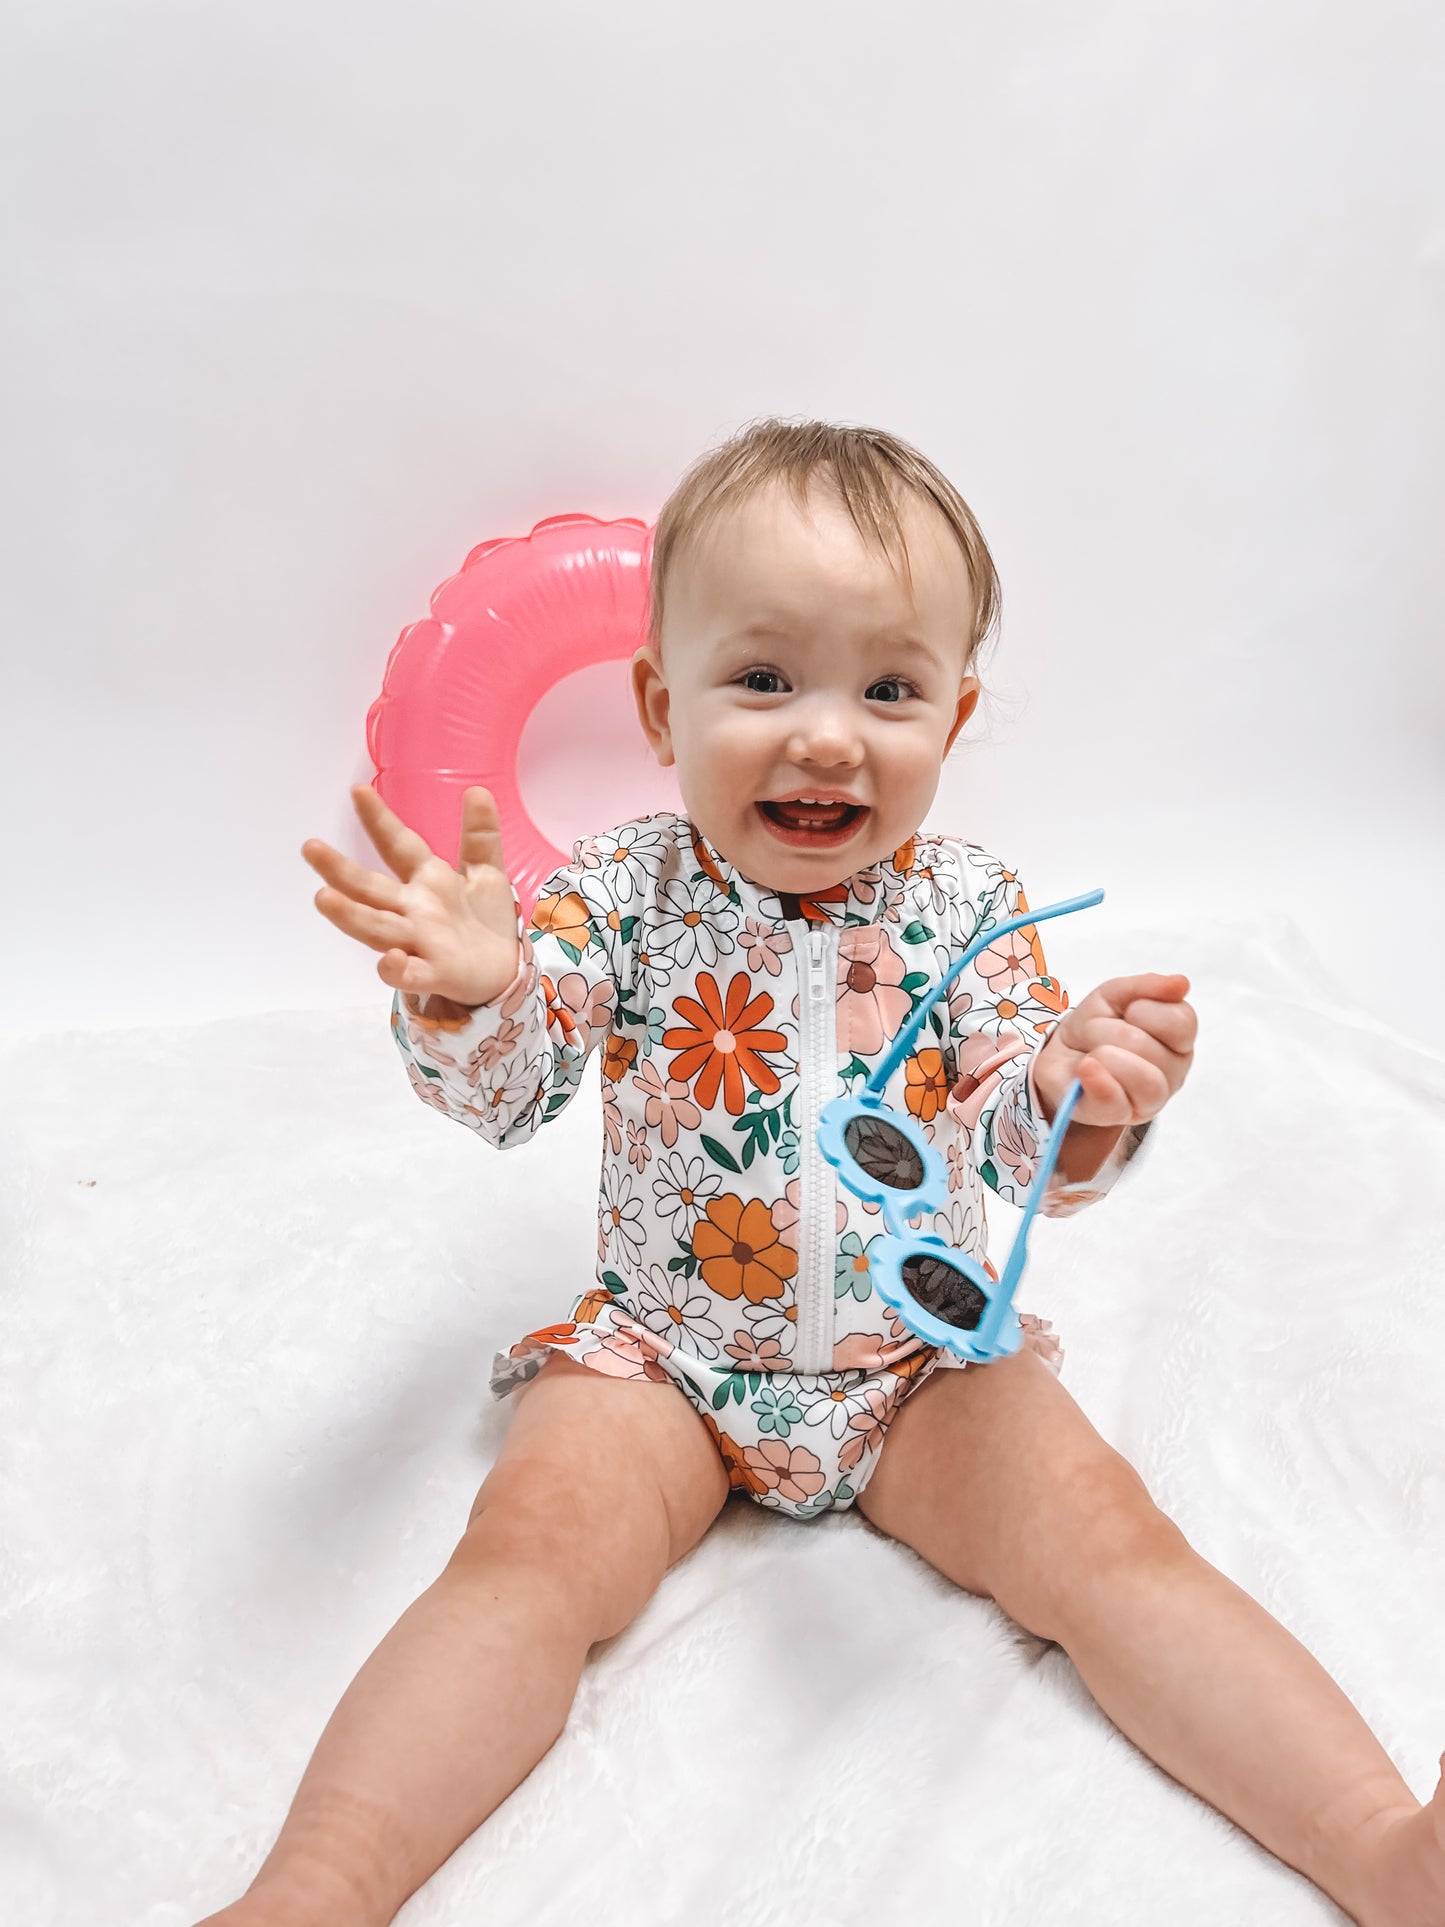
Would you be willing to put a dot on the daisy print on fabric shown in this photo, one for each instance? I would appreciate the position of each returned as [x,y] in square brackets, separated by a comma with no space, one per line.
[682,1188]
[629,858]
[689,924]
[960,1227]
[621,1215]
[831,1405]
[672,1305]
[774,1324]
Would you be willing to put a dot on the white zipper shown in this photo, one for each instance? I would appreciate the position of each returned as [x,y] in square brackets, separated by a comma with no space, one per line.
[818,1070]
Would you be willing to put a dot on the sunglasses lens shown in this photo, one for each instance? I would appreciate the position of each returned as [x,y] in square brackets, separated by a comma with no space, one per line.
[883,1152]
[944,1291]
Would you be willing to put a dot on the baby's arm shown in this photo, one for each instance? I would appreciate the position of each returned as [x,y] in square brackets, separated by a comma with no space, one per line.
[1012,1089]
[507,1067]
[494,1020]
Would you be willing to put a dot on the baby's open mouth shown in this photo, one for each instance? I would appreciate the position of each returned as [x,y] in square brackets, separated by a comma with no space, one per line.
[812,825]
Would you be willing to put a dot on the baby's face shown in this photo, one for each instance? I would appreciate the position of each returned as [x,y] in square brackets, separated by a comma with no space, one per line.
[794,664]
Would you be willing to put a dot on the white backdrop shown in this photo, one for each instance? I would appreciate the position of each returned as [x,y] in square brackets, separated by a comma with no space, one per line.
[303,302]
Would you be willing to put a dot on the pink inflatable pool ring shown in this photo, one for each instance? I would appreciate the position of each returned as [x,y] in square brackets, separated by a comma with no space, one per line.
[518,680]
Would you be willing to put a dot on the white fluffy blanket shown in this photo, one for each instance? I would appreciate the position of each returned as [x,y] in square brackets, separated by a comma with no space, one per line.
[251,1292]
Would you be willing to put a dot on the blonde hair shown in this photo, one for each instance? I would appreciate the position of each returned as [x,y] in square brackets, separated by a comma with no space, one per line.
[867,469]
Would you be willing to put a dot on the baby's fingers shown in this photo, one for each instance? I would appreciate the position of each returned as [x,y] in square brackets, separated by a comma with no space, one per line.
[1104,1100]
[365,886]
[481,838]
[402,971]
[1142,1043]
[402,849]
[1144,1087]
[1175,1025]
[377,929]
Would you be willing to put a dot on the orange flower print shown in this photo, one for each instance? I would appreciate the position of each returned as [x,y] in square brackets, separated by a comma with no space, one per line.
[811,907]
[740,1251]
[563,1334]
[617,1056]
[872,1004]
[925,1089]
[1051,995]
[791,1471]
[705,862]
[563,917]
[721,1042]
[915,1362]
[589,1305]
[903,856]
[1030,931]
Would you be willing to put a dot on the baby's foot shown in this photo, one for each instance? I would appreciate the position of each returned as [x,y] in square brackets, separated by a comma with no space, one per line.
[1407,1878]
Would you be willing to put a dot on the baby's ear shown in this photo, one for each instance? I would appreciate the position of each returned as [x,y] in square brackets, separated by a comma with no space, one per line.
[969,691]
[654,701]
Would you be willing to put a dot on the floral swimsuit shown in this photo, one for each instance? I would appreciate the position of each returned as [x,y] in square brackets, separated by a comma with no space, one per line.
[729,1260]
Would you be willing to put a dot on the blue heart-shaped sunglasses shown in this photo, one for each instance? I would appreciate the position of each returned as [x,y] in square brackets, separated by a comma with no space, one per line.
[943,1295]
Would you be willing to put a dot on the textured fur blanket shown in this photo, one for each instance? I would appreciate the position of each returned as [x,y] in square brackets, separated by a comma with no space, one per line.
[251,1293]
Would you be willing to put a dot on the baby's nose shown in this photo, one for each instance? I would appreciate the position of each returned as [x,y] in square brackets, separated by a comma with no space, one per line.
[826,741]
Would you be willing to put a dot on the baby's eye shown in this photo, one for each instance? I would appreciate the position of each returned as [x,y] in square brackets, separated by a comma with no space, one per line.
[751,680]
[895,683]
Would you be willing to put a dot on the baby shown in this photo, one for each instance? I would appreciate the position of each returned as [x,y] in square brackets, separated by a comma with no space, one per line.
[819,596]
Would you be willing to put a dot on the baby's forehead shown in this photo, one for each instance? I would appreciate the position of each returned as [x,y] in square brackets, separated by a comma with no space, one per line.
[772,560]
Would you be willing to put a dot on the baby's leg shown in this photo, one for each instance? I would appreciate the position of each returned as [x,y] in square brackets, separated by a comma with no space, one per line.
[601,1484]
[998,1479]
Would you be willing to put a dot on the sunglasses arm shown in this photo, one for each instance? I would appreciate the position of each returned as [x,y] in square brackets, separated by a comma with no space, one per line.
[904,1040]
[1018,1251]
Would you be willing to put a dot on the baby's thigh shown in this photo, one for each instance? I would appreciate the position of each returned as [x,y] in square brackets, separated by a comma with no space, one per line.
[605,1481]
[996,1476]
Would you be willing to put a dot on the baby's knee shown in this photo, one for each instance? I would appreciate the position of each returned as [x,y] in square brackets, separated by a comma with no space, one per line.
[1102,1530]
[561,1550]
[1115,1526]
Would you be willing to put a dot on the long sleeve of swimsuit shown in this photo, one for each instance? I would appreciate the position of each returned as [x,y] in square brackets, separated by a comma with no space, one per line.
[510,1065]
[1003,1010]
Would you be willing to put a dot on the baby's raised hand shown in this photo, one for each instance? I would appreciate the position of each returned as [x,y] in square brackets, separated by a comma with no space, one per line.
[442,932]
[1130,1044]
